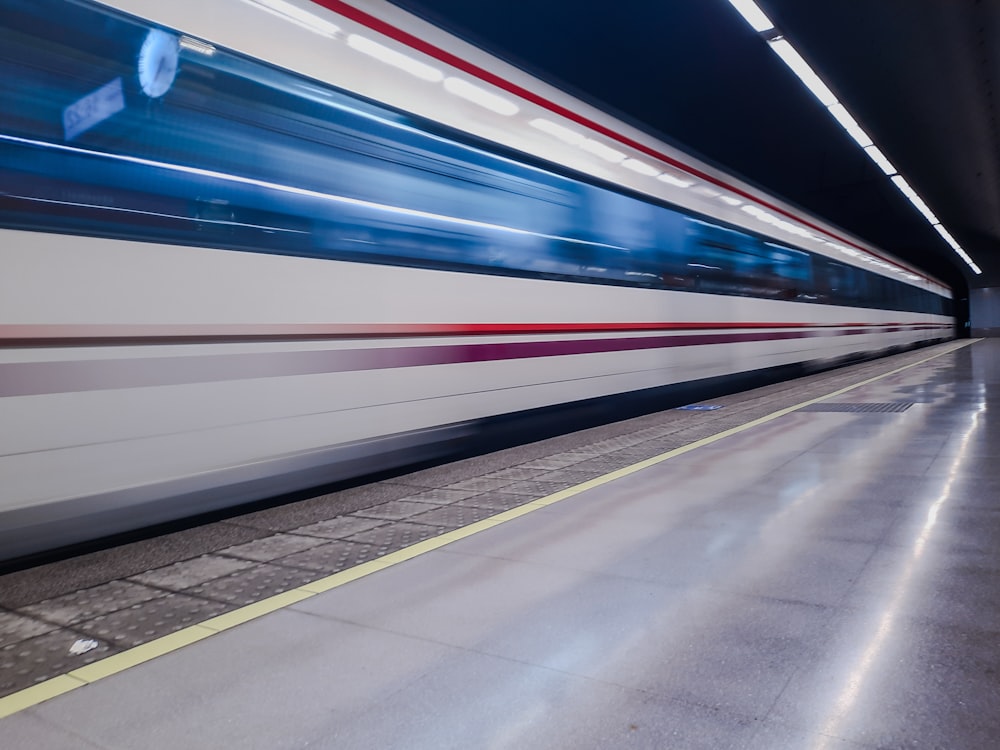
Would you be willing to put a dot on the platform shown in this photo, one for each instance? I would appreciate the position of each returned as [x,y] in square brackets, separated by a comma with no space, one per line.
[813,565]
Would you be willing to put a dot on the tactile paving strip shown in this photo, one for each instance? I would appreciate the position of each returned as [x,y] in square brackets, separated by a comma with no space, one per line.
[482,484]
[396,510]
[442,496]
[558,461]
[28,662]
[253,584]
[536,489]
[340,527]
[98,600]
[272,547]
[570,476]
[886,408]
[144,622]
[495,501]
[333,557]
[515,472]
[457,515]
[183,575]
[398,535]
[14,628]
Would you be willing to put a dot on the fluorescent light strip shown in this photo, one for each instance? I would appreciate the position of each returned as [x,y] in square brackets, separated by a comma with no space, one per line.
[641,167]
[957,248]
[299,17]
[879,158]
[730,200]
[396,59]
[564,134]
[752,14]
[915,199]
[801,68]
[599,149]
[477,95]
[947,236]
[849,124]
[790,56]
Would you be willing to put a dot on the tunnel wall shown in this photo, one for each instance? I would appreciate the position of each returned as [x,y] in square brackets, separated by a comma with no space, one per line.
[984,311]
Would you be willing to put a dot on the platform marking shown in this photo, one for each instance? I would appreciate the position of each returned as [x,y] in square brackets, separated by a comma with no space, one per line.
[111,665]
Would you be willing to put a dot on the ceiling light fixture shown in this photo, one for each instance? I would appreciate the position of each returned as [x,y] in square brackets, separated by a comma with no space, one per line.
[752,14]
[876,155]
[849,124]
[790,56]
[916,200]
[760,23]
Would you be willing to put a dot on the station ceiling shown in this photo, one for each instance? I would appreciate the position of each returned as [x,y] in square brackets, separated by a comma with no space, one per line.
[922,77]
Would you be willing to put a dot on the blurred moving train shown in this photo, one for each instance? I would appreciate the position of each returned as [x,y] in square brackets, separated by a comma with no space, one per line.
[256,245]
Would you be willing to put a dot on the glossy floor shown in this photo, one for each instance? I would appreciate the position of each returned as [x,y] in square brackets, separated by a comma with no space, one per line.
[826,579]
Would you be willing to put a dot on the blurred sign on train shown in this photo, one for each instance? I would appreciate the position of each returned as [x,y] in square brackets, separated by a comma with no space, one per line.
[95,107]
[699,407]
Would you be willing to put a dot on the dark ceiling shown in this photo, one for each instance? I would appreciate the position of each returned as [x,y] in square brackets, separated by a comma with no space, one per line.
[918,75]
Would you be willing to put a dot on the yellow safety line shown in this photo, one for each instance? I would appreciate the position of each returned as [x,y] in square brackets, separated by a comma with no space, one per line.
[119,662]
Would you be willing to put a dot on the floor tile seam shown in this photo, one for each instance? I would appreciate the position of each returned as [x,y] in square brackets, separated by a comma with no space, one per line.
[811,731]
[589,572]
[199,631]
[875,547]
[88,743]
[187,590]
[205,597]
[488,653]
[33,619]
[81,630]
[139,605]
[831,610]
[70,630]
[255,563]
[278,561]
[798,669]
[86,618]
[408,519]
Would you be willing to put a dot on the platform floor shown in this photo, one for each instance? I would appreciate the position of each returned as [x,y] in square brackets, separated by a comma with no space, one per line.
[818,577]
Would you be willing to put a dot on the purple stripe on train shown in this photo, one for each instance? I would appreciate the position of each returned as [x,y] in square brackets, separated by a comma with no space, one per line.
[36,378]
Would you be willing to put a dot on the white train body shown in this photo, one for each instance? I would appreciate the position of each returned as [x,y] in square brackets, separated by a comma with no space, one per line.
[143,380]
